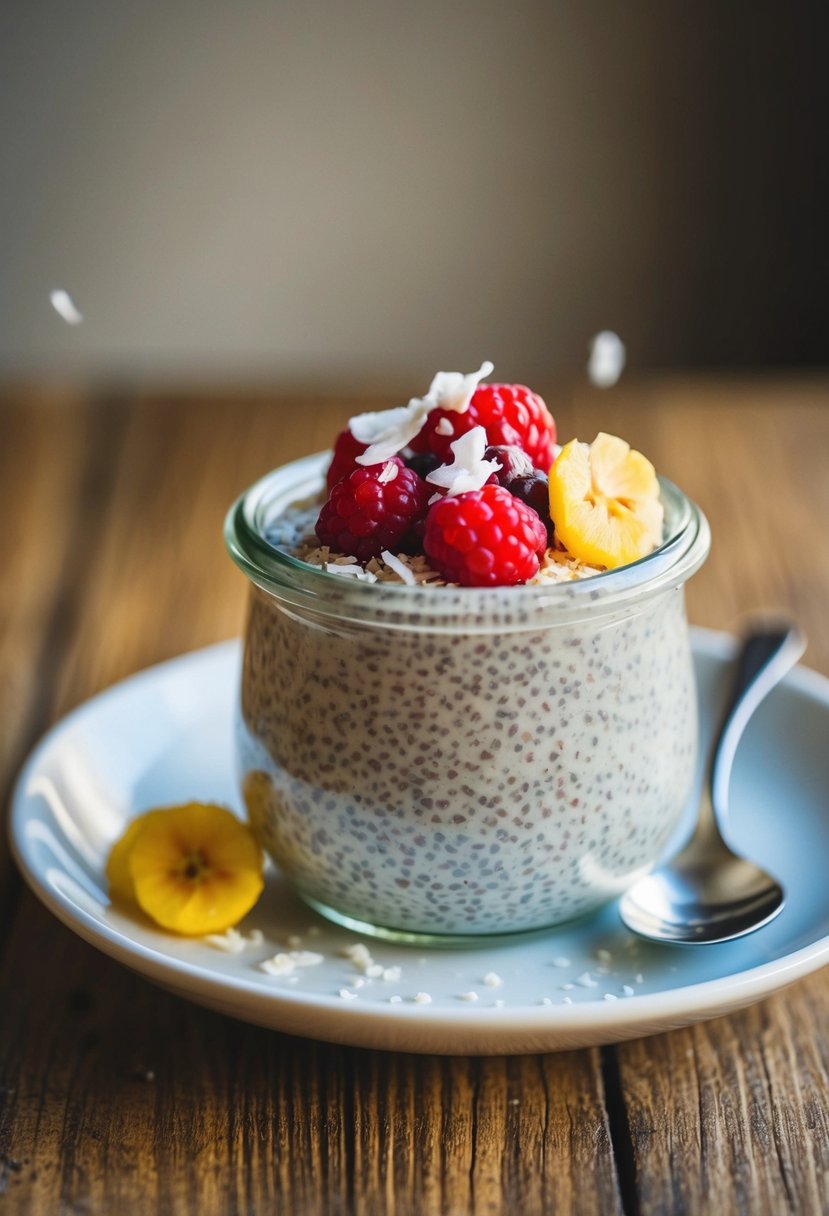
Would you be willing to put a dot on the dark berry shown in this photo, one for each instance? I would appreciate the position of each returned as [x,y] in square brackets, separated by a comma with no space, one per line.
[423,463]
[534,490]
[512,461]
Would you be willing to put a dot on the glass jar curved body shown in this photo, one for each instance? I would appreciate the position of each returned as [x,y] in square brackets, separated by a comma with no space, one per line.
[462,762]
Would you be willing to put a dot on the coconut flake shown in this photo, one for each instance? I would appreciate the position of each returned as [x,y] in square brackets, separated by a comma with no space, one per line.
[388,473]
[422,998]
[229,942]
[607,359]
[468,996]
[468,470]
[392,974]
[395,564]
[453,390]
[284,964]
[387,432]
[493,980]
[280,964]
[349,568]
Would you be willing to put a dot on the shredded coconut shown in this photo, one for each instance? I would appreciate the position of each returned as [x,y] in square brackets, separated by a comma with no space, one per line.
[468,470]
[284,964]
[493,980]
[348,995]
[627,990]
[561,962]
[546,1000]
[567,1000]
[395,1000]
[229,942]
[387,432]
[444,427]
[586,980]
[280,964]
[359,954]
[349,568]
[609,996]
[392,974]
[388,473]
[468,996]
[422,998]
[399,567]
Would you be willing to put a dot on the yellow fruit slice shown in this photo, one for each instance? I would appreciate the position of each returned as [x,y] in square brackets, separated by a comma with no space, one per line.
[121,886]
[194,869]
[604,502]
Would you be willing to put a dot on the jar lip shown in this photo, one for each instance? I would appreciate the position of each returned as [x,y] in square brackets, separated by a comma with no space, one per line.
[681,553]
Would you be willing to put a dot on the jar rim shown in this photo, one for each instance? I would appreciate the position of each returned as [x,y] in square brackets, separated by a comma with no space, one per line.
[278,573]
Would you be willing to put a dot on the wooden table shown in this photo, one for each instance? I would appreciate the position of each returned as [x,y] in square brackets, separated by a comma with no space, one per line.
[115,1097]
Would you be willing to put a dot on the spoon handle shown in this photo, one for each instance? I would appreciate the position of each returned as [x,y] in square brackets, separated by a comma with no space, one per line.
[767,653]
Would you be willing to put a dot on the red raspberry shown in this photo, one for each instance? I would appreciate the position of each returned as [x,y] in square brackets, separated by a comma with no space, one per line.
[485,538]
[374,509]
[346,451]
[511,415]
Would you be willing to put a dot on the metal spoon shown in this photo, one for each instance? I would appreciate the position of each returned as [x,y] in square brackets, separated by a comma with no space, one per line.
[707,893]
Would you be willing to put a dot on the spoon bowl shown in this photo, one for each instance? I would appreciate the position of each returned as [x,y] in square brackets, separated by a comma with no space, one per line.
[707,892]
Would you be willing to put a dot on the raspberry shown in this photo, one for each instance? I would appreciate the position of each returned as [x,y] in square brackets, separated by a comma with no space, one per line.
[510,414]
[346,451]
[484,538]
[375,507]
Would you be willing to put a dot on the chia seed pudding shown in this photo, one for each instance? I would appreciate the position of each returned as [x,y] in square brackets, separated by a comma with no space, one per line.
[462,760]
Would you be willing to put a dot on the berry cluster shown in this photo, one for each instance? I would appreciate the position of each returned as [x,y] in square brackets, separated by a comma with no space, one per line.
[490,535]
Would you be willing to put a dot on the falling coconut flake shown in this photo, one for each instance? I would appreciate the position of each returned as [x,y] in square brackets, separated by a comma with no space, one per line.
[607,359]
[65,307]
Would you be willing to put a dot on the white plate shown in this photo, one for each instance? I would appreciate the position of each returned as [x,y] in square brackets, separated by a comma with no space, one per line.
[165,736]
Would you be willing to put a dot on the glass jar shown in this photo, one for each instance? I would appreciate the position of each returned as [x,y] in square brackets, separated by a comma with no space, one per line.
[462,761]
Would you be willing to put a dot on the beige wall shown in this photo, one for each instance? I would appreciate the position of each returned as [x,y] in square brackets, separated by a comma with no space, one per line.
[344,189]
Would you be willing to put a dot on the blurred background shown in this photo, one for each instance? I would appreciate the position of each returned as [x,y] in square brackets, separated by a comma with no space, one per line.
[321,192]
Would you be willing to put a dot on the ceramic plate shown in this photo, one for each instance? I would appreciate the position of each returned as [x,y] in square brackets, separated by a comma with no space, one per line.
[166,735]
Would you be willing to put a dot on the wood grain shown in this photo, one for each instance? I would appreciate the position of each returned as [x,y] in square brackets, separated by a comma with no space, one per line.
[115,1096]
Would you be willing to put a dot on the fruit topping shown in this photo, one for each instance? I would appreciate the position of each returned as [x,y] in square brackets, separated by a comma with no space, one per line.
[387,432]
[373,509]
[534,490]
[468,469]
[511,414]
[604,502]
[346,451]
[484,538]
[511,460]
[194,869]
[423,463]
